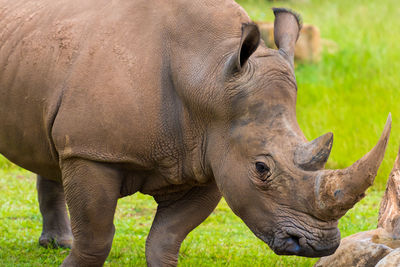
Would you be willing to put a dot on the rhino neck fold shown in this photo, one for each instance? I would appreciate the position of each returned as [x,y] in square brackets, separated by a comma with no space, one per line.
[198,161]
[188,165]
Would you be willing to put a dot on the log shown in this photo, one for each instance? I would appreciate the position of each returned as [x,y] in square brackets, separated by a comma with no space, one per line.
[389,211]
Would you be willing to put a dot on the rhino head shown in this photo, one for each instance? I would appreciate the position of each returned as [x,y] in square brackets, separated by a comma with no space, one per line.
[270,176]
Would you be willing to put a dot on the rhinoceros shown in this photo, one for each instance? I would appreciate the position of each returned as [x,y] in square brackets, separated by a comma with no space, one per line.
[176,99]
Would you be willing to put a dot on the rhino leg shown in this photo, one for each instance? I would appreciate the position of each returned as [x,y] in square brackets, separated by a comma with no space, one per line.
[91,190]
[175,219]
[56,226]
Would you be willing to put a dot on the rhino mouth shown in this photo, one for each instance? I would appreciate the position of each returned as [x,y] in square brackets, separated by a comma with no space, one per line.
[292,241]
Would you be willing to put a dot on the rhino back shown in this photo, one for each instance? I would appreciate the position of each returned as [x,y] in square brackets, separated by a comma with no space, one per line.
[57,55]
[107,80]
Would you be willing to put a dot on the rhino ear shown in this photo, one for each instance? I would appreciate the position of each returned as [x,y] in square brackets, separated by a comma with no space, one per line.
[287,26]
[248,44]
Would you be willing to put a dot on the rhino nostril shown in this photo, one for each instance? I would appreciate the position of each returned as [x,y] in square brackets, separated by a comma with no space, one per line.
[293,244]
[295,238]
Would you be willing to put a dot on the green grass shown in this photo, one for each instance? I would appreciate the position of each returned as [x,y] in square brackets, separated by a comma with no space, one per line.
[349,93]
[222,240]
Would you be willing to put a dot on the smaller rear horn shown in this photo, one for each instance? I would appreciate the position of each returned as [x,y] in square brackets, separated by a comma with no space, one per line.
[313,155]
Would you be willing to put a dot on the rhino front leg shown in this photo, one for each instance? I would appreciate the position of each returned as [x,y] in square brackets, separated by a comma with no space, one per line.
[56,226]
[174,220]
[91,190]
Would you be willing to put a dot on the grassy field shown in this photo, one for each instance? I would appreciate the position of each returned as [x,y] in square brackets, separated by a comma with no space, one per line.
[222,240]
[350,93]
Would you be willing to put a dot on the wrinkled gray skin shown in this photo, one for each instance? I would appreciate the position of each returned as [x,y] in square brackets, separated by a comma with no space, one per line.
[176,99]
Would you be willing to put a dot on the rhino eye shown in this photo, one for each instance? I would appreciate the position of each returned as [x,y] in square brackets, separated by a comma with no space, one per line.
[262,168]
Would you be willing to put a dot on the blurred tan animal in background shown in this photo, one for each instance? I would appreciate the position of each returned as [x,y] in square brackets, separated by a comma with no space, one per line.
[308,46]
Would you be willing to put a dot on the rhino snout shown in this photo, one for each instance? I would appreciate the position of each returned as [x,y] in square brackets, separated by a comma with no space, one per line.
[296,243]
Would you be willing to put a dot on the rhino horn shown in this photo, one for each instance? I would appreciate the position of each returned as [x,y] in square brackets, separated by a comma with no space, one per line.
[338,190]
[313,155]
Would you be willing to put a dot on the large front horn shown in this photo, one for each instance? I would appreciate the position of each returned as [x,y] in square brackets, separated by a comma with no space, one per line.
[313,155]
[337,191]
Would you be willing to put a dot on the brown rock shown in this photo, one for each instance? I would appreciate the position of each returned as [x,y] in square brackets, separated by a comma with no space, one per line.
[362,253]
[308,47]
[391,260]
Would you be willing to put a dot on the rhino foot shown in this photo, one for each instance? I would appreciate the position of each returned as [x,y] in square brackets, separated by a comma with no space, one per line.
[51,240]
[56,231]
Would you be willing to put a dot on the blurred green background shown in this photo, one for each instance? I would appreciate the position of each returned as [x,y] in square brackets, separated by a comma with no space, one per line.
[349,92]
